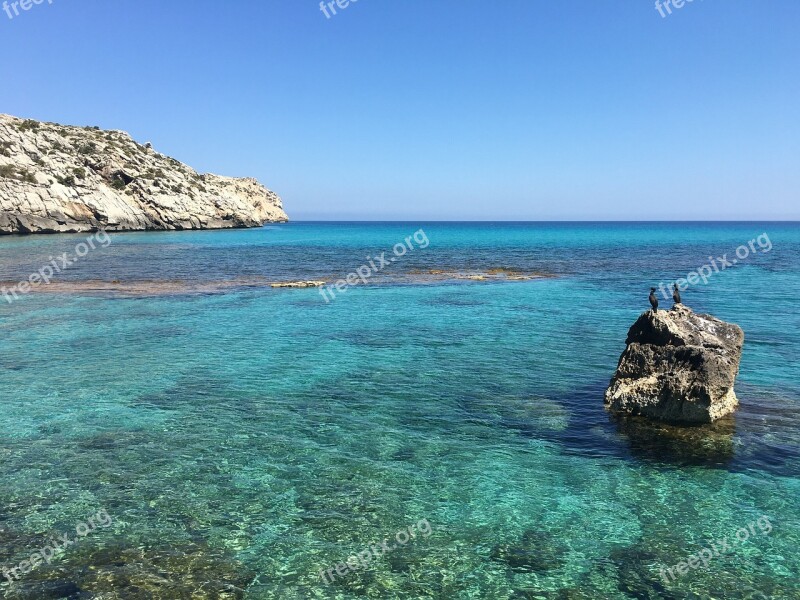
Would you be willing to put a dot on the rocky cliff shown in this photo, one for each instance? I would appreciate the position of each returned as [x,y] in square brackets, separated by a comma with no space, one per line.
[56,178]
[678,367]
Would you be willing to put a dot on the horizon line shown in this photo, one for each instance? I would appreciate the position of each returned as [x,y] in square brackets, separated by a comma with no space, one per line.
[789,221]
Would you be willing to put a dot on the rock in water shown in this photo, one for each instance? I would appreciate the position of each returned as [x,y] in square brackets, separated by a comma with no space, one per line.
[678,367]
[60,179]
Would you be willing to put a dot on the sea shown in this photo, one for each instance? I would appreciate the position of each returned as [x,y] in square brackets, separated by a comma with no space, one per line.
[430,424]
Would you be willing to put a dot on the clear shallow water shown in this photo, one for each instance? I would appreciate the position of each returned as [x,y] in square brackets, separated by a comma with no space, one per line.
[243,441]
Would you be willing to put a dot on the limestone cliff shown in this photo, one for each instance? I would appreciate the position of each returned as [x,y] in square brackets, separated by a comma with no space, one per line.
[56,178]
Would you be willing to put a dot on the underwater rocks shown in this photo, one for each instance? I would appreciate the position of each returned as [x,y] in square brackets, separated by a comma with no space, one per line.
[494,274]
[187,569]
[166,287]
[678,367]
[535,552]
[173,287]
[298,284]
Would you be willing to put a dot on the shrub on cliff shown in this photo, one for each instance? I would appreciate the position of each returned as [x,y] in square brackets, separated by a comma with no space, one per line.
[89,148]
[17,173]
[29,125]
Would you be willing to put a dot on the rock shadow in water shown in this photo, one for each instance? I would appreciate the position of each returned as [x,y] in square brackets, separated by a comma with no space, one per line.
[710,445]
[591,431]
[761,435]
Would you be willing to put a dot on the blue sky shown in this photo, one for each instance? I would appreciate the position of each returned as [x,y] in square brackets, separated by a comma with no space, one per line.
[439,109]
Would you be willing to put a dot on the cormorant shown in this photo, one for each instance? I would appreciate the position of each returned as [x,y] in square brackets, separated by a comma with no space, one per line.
[676,294]
[653,299]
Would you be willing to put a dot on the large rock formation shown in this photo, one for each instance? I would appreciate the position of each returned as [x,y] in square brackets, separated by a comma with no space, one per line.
[678,367]
[55,178]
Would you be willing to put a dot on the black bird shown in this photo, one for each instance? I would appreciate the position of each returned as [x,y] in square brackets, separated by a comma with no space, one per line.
[676,294]
[653,299]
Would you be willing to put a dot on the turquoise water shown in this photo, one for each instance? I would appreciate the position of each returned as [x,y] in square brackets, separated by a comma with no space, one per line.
[243,441]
